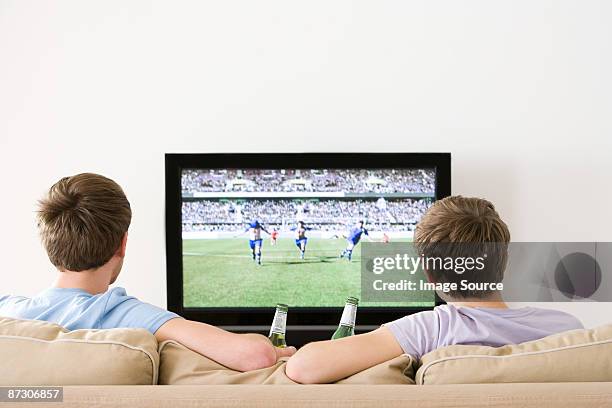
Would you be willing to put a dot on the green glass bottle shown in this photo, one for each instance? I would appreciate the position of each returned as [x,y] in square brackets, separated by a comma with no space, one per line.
[347,321]
[279,326]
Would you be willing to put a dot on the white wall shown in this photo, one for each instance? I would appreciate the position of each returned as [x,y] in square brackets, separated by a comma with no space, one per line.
[519,91]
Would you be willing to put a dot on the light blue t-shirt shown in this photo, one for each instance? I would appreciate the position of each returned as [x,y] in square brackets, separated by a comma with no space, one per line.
[445,325]
[77,309]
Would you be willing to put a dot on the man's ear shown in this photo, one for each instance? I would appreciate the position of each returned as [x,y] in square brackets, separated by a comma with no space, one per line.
[428,276]
[121,250]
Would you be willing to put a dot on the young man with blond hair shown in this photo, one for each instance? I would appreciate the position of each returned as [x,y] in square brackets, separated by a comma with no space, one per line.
[83,223]
[469,317]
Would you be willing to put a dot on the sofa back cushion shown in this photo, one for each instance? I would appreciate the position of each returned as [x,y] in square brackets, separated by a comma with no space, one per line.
[181,366]
[574,356]
[40,353]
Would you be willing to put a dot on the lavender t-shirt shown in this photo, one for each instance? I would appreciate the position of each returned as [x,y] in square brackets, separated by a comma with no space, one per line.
[420,333]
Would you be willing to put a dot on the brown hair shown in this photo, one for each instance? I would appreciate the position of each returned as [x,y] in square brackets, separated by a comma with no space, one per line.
[464,227]
[82,221]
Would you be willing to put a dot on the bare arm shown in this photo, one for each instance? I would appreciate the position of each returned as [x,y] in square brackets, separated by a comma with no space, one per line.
[332,360]
[242,352]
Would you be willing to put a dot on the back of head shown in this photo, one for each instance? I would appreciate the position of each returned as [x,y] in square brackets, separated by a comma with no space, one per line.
[463,227]
[82,221]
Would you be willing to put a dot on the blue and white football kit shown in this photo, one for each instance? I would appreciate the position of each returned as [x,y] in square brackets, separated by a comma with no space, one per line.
[255,240]
[300,238]
[353,238]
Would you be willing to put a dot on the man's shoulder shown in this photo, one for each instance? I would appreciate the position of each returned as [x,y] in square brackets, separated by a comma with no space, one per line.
[422,318]
[20,306]
[123,310]
[523,315]
[116,291]
[557,316]
[13,299]
[117,295]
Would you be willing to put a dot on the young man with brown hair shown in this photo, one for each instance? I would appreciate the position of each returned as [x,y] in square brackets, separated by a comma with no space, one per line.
[454,226]
[83,224]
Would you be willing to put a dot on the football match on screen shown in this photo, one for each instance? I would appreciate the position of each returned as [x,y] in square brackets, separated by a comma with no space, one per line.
[256,237]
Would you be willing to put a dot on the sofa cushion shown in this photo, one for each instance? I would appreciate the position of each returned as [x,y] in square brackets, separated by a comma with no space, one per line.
[181,366]
[39,353]
[399,370]
[574,356]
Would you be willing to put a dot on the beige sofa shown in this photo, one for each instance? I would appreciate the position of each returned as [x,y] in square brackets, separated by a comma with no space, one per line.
[125,367]
[553,395]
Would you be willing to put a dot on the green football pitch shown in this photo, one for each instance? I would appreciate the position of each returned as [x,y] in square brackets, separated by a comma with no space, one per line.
[222,273]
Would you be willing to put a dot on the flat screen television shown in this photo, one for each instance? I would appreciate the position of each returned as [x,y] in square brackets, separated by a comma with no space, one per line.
[235,225]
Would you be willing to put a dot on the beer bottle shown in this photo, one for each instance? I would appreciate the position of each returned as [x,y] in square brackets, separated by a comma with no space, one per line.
[347,322]
[279,326]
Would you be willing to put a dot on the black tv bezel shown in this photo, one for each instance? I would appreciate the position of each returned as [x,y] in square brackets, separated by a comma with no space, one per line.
[302,317]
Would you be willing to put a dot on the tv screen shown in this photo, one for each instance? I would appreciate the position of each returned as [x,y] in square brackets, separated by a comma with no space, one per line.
[254,230]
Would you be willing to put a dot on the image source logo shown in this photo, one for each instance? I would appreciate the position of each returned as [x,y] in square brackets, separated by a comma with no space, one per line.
[391,272]
[520,272]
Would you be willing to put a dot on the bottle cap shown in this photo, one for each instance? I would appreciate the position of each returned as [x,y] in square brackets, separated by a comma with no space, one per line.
[352,300]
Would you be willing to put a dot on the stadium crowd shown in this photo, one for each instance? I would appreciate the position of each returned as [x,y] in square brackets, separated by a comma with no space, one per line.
[317,180]
[324,215]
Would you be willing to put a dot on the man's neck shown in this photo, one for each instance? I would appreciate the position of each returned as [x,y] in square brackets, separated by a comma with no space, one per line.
[93,281]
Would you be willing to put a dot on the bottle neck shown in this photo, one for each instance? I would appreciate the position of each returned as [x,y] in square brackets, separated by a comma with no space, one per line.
[279,324]
[348,315]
